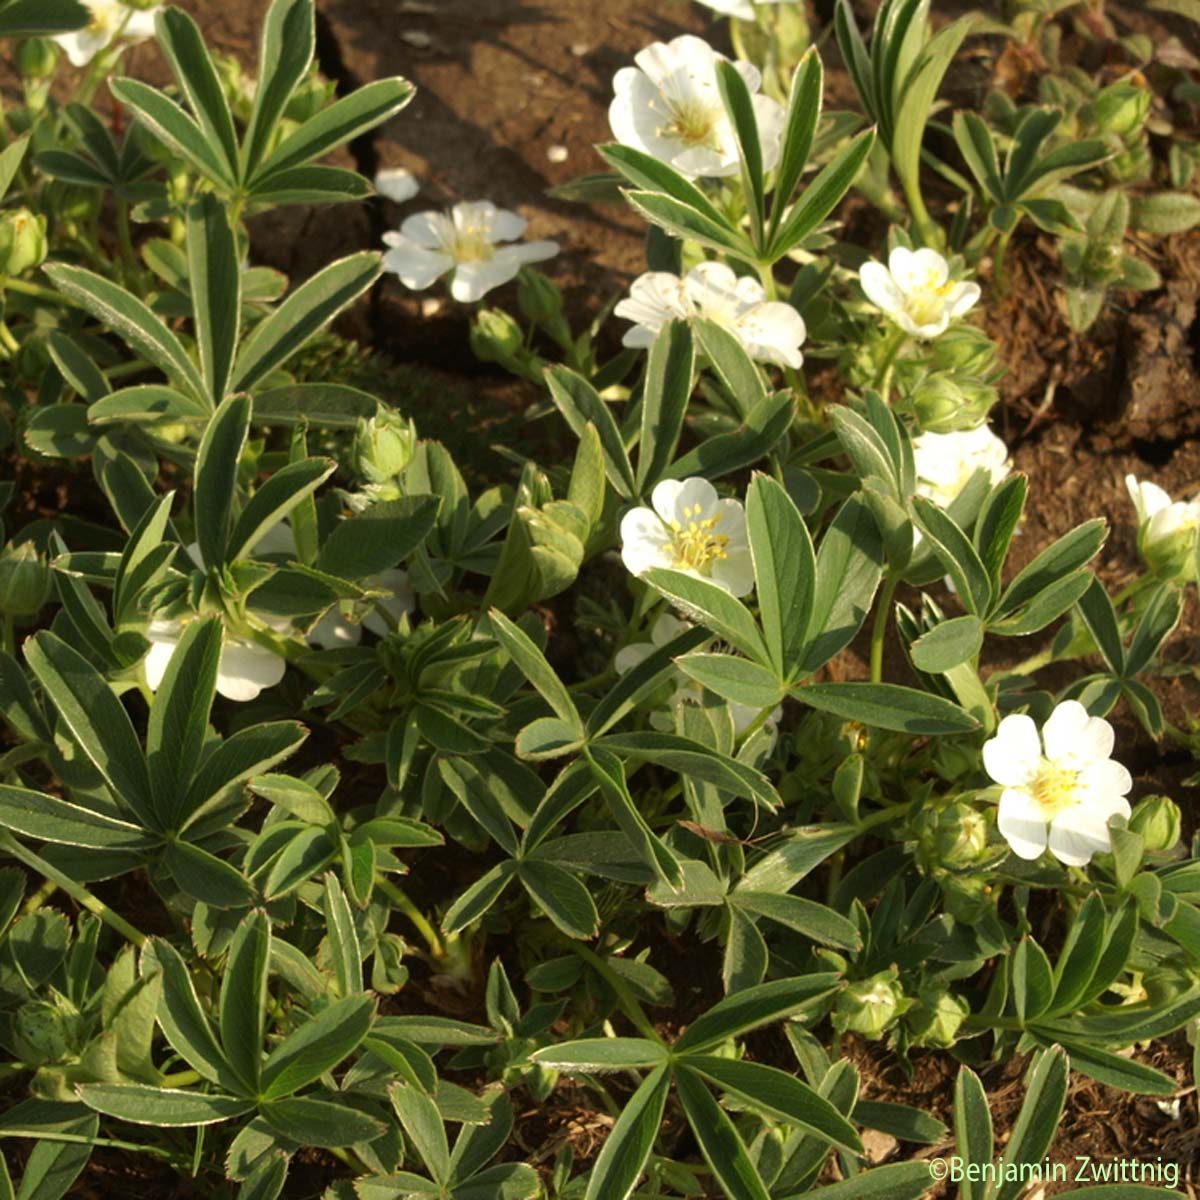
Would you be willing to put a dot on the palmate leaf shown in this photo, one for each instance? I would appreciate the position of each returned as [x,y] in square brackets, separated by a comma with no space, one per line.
[628,1146]
[718,1139]
[317,1046]
[51,819]
[285,52]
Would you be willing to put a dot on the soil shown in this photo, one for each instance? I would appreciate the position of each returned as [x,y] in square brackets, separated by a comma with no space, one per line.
[505,87]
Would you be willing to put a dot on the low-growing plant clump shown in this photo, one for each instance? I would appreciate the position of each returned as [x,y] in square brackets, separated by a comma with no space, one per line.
[354,813]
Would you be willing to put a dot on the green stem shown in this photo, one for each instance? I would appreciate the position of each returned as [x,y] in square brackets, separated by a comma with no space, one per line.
[927,231]
[48,888]
[999,274]
[879,629]
[76,891]
[413,913]
[7,340]
[35,290]
[181,1079]
[125,237]
[766,274]
[892,346]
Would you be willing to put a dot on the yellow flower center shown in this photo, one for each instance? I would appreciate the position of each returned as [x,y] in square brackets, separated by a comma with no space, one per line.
[927,304]
[696,544]
[106,19]
[470,245]
[1055,789]
[692,122]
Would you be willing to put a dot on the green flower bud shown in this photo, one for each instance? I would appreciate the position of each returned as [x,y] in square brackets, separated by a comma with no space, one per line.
[383,446]
[964,349]
[41,1033]
[495,336]
[22,241]
[1121,108]
[539,297]
[955,836]
[870,1006]
[24,580]
[936,1020]
[1157,819]
[37,58]
[968,899]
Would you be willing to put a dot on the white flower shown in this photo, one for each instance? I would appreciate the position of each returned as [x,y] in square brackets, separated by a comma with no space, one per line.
[1061,790]
[914,290]
[742,9]
[770,330]
[465,241]
[687,691]
[669,106]
[244,670]
[1167,529]
[689,529]
[396,184]
[110,19]
[335,629]
[946,461]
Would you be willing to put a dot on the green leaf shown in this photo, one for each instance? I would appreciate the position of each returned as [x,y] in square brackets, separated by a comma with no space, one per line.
[276,498]
[378,539]
[312,185]
[562,897]
[166,1107]
[888,706]
[1158,621]
[627,1147]
[333,405]
[533,665]
[849,563]
[214,276]
[714,607]
[975,144]
[178,722]
[52,1166]
[98,722]
[423,1128]
[648,173]
[475,794]
[581,405]
[310,307]
[894,1181]
[317,1046]
[131,319]
[1080,955]
[734,679]
[667,389]
[1032,981]
[948,644]
[206,877]
[785,572]
[956,553]
[752,1008]
[217,461]
[146,404]
[308,1122]
[779,1095]
[1100,617]
[821,196]
[972,1128]
[996,524]
[342,121]
[243,1006]
[183,44]
[1036,1123]
[764,427]
[690,223]
[596,1056]
[167,121]
[50,819]
[479,897]
[285,52]
[39,18]
[76,365]
[807,917]
[803,117]
[740,108]
[1060,559]
[342,937]
[718,1139]
[303,856]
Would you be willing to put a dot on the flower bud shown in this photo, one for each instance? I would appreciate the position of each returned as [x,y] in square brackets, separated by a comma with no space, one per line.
[1121,108]
[936,1020]
[964,349]
[870,1006]
[955,836]
[495,336]
[968,898]
[24,580]
[41,1033]
[539,297]
[22,241]
[37,58]
[383,446]
[1167,530]
[1157,820]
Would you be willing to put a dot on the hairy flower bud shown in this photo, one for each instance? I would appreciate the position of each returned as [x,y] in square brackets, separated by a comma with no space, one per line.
[41,1033]
[37,58]
[22,241]
[1157,820]
[968,899]
[383,446]
[955,837]
[24,580]
[870,1006]
[1121,108]
[495,336]
[936,1019]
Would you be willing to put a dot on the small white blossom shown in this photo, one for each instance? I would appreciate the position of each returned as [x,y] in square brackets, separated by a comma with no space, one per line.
[742,9]
[465,240]
[915,291]
[946,461]
[670,106]
[244,670]
[1167,529]
[335,629]
[110,19]
[770,330]
[689,529]
[396,184]
[1060,789]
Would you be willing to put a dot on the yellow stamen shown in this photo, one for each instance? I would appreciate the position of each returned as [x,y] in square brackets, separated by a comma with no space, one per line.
[1055,789]
[692,122]
[696,546]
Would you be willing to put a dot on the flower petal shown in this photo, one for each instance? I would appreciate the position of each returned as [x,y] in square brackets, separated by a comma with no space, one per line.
[679,501]
[645,541]
[1020,821]
[1013,756]
[396,184]
[472,281]
[1078,833]
[246,669]
[1071,736]
[416,266]
[880,287]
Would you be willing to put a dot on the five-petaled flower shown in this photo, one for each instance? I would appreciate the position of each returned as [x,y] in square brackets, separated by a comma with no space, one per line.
[466,240]
[110,19]
[770,330]
[915,290]
[689,528]
[1059,790]
[245,668]
[670,106]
